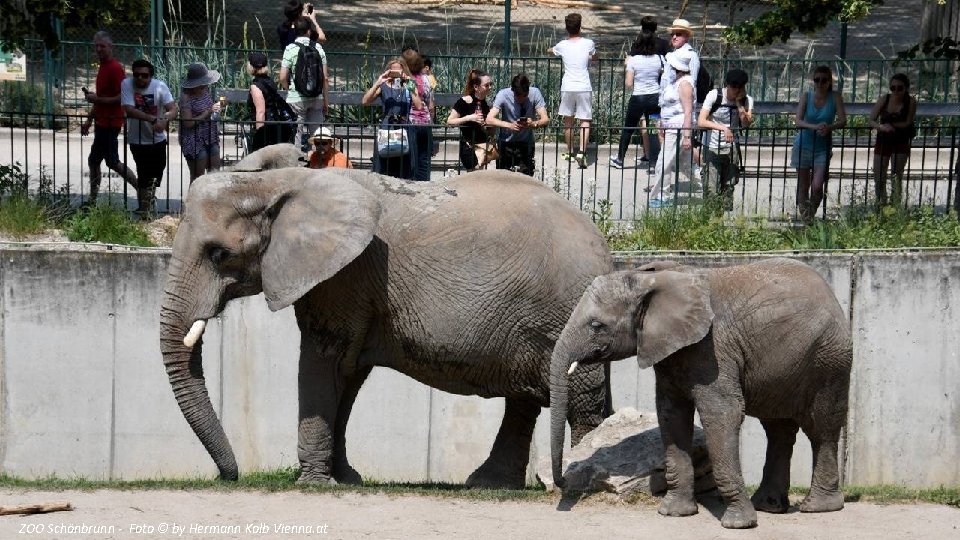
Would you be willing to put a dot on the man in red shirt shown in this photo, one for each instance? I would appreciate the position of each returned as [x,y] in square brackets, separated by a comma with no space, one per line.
[108,114]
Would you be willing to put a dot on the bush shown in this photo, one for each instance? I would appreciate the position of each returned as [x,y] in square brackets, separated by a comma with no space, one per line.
[104,223]
[21,216]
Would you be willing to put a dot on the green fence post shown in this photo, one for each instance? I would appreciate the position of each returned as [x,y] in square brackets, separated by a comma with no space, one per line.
[51,74]
[156,28]
[506,29]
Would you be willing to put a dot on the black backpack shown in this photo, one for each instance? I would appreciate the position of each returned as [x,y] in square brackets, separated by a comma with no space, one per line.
[277,109]
[308,71]
[704,84]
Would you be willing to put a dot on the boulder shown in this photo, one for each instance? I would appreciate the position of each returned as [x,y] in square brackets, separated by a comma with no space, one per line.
[624,455]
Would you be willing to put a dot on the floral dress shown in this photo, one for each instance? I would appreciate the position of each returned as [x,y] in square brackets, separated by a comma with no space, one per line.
[205,134]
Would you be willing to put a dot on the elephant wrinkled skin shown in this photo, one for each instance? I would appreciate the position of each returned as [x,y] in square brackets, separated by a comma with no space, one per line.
[767,339]
[463,285]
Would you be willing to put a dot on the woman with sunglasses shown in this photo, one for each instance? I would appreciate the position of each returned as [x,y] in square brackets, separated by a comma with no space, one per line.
[892,117]
[819,113]
[470,113]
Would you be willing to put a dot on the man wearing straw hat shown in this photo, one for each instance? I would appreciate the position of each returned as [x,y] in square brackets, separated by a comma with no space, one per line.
[325,153]
[680,34]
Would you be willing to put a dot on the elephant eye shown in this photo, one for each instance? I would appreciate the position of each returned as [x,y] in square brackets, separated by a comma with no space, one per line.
[218,254]
[597,325]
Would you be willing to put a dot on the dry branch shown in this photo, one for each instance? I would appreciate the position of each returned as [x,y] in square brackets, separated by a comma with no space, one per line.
[42,508]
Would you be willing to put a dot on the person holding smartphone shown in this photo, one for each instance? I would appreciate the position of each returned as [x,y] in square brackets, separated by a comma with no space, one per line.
[520,109]
[287,31]
[397,93]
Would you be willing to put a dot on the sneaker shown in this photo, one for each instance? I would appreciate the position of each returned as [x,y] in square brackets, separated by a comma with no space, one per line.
[643,159]
[567,156]
[616,162]
[581,160]
[656,203]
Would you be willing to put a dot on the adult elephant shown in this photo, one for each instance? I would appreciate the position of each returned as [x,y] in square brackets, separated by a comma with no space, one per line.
[463,285]
[768,339]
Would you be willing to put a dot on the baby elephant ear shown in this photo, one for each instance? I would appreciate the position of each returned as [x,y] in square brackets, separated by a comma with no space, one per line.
[673,312]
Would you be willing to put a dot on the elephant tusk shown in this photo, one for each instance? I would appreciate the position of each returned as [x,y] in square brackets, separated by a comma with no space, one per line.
[573,367]
[195,332]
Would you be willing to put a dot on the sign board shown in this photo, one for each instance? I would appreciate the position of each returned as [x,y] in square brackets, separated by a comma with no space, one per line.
[13,66]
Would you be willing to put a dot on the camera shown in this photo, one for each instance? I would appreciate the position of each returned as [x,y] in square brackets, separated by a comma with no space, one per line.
[309,8]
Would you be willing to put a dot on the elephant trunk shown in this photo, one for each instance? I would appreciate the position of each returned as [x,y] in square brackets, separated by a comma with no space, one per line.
[559,399]
[185,371]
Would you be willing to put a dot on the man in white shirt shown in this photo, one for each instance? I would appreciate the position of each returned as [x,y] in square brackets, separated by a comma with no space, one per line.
[680,34]
[150,107]
[310,111]
[724,113]
[576,92]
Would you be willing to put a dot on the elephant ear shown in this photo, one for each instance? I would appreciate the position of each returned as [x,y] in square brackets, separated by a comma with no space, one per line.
[673,312]
[318,226]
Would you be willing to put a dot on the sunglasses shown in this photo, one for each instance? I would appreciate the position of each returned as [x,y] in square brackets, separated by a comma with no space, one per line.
[897,88]
[141,75]
[819,80]
[488,85]
[678,34]
[731,85]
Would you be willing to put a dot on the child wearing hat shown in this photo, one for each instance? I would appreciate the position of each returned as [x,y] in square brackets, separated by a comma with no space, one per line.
[324,153]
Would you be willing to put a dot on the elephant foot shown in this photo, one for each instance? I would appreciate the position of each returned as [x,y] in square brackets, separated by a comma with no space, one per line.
[771,502]
[493,477]
[678,505]
[315,479]
[820,501]
[345,474]
[739,517]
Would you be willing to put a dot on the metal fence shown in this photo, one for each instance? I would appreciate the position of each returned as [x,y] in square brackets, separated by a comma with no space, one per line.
[54,85]
[55,161]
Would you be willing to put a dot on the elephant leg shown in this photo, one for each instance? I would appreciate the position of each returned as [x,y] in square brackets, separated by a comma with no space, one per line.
[506,467]
[771,496]
[318,396]
[823,425]
[342,471]
[722,417]
[676,431]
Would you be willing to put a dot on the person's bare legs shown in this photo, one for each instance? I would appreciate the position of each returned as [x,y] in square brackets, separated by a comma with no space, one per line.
[584,135]
[644,137]
[816,188]
[880,164]
[803,193]
[899,163]
[568,133]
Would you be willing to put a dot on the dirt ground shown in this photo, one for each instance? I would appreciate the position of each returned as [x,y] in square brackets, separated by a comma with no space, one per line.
[246,515]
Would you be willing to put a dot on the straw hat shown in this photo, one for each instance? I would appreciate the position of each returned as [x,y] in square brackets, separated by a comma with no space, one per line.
[321,134]
[199,75]
[681,25]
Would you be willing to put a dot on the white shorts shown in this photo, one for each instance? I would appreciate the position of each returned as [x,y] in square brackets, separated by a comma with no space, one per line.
[577,104]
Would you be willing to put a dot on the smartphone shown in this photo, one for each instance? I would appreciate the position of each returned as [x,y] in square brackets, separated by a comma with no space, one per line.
[523,120]
[395,73]
[84,90]
[309,8]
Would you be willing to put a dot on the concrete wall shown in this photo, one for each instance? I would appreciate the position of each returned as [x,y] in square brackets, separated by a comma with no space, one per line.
[84,391]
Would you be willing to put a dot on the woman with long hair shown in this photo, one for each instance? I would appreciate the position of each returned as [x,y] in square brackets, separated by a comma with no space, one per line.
[892,117]
[819,112]
[263,92]
[397,93]
[643,68]
[422,119]
[470,114]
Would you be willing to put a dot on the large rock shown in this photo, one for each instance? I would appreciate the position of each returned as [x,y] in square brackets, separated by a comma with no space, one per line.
[624,455]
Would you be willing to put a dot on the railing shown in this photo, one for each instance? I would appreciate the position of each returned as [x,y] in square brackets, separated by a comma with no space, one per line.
[54,84]
[56,161]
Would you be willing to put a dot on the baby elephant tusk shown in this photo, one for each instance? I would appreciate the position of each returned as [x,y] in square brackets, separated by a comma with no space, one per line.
[195,332]
[573,368]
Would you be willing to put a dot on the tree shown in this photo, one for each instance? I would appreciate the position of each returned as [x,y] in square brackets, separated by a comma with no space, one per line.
[789,16]
[28,18]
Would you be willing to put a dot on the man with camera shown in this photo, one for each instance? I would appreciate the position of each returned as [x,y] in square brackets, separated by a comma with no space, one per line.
[724,113]
[311,108]
[287,31]
[521,109]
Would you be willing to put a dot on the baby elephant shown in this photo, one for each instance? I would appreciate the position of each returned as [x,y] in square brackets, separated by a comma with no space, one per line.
[766,339]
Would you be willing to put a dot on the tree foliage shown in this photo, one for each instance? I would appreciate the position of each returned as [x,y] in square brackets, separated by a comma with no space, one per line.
[789,16]
[27,18]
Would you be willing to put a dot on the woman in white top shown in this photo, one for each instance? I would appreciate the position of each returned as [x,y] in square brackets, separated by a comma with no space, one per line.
[676,124]
[643,69]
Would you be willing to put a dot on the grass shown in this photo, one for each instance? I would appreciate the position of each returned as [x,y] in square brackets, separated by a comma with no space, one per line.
[699,228]
[21,216]
[285,480]
[107,224]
